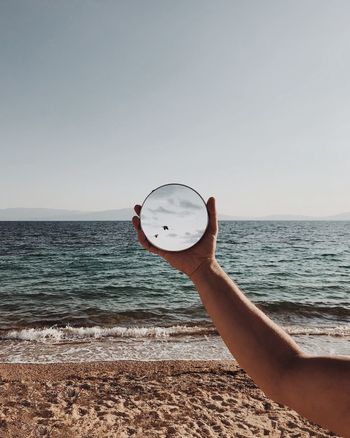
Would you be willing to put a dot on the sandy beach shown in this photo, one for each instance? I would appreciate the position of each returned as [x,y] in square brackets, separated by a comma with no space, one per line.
[141,399]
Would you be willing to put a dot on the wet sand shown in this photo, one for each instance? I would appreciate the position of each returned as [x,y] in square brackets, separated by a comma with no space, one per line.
[141,399]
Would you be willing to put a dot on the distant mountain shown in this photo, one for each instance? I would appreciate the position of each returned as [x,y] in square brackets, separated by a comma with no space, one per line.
[122,214]
[48,214]
[339,217]
[291,217]
[125,214]
[28,214]
[227,217]
[272,217]
[286,217]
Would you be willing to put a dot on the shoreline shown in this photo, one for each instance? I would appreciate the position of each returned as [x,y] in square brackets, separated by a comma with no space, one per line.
[141,399]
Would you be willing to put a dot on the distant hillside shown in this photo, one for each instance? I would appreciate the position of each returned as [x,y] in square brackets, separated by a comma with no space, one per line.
[124,214]
[47,214]
[340,217]
[285,217]
[291,217]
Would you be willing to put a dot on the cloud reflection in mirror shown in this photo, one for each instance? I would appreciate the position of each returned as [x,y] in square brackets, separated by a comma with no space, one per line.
[174,217]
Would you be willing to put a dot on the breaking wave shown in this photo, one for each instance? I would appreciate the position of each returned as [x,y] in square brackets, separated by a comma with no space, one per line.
[71,334]
[85,333]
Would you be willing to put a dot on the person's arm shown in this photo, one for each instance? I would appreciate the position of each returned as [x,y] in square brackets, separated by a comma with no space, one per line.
[316,387]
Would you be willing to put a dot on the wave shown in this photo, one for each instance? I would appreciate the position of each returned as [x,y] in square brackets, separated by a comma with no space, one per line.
[69,333]
[340,331]
[86,334]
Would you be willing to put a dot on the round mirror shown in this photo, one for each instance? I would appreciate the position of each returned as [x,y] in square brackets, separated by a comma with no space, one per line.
[174,217]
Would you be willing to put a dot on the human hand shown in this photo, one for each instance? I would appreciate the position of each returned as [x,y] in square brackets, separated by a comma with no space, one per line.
[189,260]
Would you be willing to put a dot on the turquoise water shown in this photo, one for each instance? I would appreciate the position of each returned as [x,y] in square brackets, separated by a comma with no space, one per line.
[88,291]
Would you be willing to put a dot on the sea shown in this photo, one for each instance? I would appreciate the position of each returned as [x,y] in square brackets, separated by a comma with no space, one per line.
[87,291]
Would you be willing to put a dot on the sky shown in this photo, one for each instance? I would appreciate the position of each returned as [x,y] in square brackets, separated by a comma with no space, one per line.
[247,101]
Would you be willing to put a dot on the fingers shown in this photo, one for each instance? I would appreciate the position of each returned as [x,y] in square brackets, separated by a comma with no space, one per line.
[213,220]
[141,236]
[136,222]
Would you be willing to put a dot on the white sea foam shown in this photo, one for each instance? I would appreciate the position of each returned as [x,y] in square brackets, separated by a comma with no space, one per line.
[340,331]
[80,333]
[68,333]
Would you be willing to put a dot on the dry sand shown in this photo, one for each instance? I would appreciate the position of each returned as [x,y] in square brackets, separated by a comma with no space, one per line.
[141,399]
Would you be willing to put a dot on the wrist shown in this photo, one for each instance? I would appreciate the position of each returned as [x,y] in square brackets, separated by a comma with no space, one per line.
[206,266]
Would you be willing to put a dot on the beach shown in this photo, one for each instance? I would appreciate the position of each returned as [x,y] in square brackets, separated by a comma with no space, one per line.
[141,399]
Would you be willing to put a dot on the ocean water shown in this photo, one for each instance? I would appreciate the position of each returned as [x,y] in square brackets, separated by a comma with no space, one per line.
[83,291]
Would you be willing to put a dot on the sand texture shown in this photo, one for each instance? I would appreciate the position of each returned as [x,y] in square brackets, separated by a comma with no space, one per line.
[141,399]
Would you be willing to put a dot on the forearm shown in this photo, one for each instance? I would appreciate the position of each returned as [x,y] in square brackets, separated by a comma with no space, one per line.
[260,346]
[317,387]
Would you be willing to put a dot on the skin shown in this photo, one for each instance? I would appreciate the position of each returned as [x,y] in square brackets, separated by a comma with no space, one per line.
[316,387]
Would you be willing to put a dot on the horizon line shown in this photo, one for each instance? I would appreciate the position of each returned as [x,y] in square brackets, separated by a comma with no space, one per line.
[64,211]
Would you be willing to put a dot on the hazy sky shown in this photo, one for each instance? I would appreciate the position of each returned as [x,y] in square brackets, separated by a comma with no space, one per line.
[102,101]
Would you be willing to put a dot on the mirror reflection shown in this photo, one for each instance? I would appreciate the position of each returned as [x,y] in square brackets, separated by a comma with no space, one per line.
[174,217]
